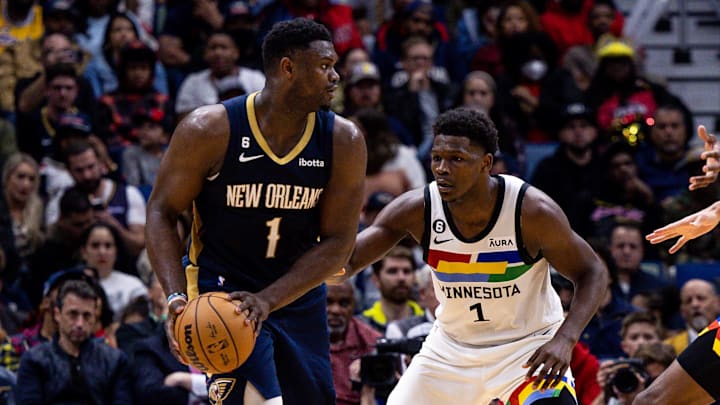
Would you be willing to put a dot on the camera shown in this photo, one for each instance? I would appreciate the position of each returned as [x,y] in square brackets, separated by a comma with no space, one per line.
[625,379]
[379,368]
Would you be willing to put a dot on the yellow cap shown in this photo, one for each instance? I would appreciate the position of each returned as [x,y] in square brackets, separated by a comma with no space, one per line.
[615,49]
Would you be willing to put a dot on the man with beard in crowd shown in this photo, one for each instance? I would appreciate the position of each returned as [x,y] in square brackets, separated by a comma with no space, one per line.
[394,276]
[119,205]
[699,305]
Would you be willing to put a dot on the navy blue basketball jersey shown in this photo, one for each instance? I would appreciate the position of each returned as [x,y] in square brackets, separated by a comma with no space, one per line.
[260,213]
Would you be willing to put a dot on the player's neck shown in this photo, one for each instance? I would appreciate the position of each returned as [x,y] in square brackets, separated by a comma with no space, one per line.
[473,211]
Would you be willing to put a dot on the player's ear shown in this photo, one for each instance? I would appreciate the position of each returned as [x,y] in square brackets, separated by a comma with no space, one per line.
[487,161]
[287,67]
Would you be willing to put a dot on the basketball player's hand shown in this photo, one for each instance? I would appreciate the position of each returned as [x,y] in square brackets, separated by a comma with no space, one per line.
[554,356]
[255,308]
[175,308]
[688,228]
[711,154]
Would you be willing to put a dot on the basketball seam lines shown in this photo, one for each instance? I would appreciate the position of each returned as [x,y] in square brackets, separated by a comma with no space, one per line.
[237,354]
[197,330]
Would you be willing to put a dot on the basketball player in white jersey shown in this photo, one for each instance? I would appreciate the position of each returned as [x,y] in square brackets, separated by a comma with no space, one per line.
[500,335]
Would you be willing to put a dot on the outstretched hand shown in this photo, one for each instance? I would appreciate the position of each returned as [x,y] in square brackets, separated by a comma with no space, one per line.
[688,228]
[554,356]
[711,154]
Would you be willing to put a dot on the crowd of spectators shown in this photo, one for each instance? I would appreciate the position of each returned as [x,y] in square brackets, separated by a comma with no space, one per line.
[91,90]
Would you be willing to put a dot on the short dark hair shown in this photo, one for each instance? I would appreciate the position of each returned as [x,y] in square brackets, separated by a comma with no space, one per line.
[398,252]
[60,70]
[77,147]
[78,287]
[469,123]
[289,36]
[74,201]
[639,317]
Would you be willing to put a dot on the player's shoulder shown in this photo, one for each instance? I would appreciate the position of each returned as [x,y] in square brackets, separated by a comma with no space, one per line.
[536,203]
[345,130]
[209,120]
[410,204]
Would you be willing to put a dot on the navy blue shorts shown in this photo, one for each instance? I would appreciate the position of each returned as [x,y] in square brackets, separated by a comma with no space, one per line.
[291,357]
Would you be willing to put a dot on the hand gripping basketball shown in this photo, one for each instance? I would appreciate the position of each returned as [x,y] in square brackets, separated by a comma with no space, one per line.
[212,336]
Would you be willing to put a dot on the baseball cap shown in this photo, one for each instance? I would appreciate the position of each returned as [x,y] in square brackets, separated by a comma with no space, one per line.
[576,110]
[53,7]
[611,47]
[74,123]
[363,71]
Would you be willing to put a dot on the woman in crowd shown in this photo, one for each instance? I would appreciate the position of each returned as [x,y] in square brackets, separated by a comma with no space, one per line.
[100,251]
[20,179]
[102,70]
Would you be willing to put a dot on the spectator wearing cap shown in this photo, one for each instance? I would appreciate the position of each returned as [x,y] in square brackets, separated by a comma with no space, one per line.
[61,248]
[620,97]
[117,204]
[140,162]
[38,127]
[411,19]
[62,16]
[204,87]
[71,127]
[102,69]
[362,90]
[74,367]
[136,70]
[569,174]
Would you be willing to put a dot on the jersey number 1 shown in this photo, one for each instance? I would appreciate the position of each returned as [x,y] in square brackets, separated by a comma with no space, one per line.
[478,308]
[273,237]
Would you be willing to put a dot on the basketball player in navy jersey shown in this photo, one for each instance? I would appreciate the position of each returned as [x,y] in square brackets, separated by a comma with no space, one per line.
[693,377]
[275,182]
[489,240]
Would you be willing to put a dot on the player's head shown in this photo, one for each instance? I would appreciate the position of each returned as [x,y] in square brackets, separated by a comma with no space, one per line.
[462,152]
[638,328]
[300,54]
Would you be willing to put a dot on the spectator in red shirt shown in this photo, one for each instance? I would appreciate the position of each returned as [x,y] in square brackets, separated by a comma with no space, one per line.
[350,339]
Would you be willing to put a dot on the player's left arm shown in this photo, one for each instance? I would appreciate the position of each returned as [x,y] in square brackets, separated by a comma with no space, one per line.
[340,206]
[546,230]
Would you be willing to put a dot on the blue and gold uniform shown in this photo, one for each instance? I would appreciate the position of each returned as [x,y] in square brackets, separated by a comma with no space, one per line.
[251,222]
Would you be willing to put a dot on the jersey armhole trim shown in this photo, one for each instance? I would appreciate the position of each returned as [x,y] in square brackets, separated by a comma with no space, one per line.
[428,218]
[522,249]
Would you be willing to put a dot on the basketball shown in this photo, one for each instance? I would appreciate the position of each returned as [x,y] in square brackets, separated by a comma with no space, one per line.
[212,336]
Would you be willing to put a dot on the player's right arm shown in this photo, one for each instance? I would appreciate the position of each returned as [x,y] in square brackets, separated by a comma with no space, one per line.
[404,215]
[196,151]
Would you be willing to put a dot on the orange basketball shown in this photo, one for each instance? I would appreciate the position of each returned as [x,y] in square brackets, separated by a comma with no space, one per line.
[212,336]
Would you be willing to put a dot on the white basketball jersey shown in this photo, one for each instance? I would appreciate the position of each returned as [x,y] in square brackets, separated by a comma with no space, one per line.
[490,290]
